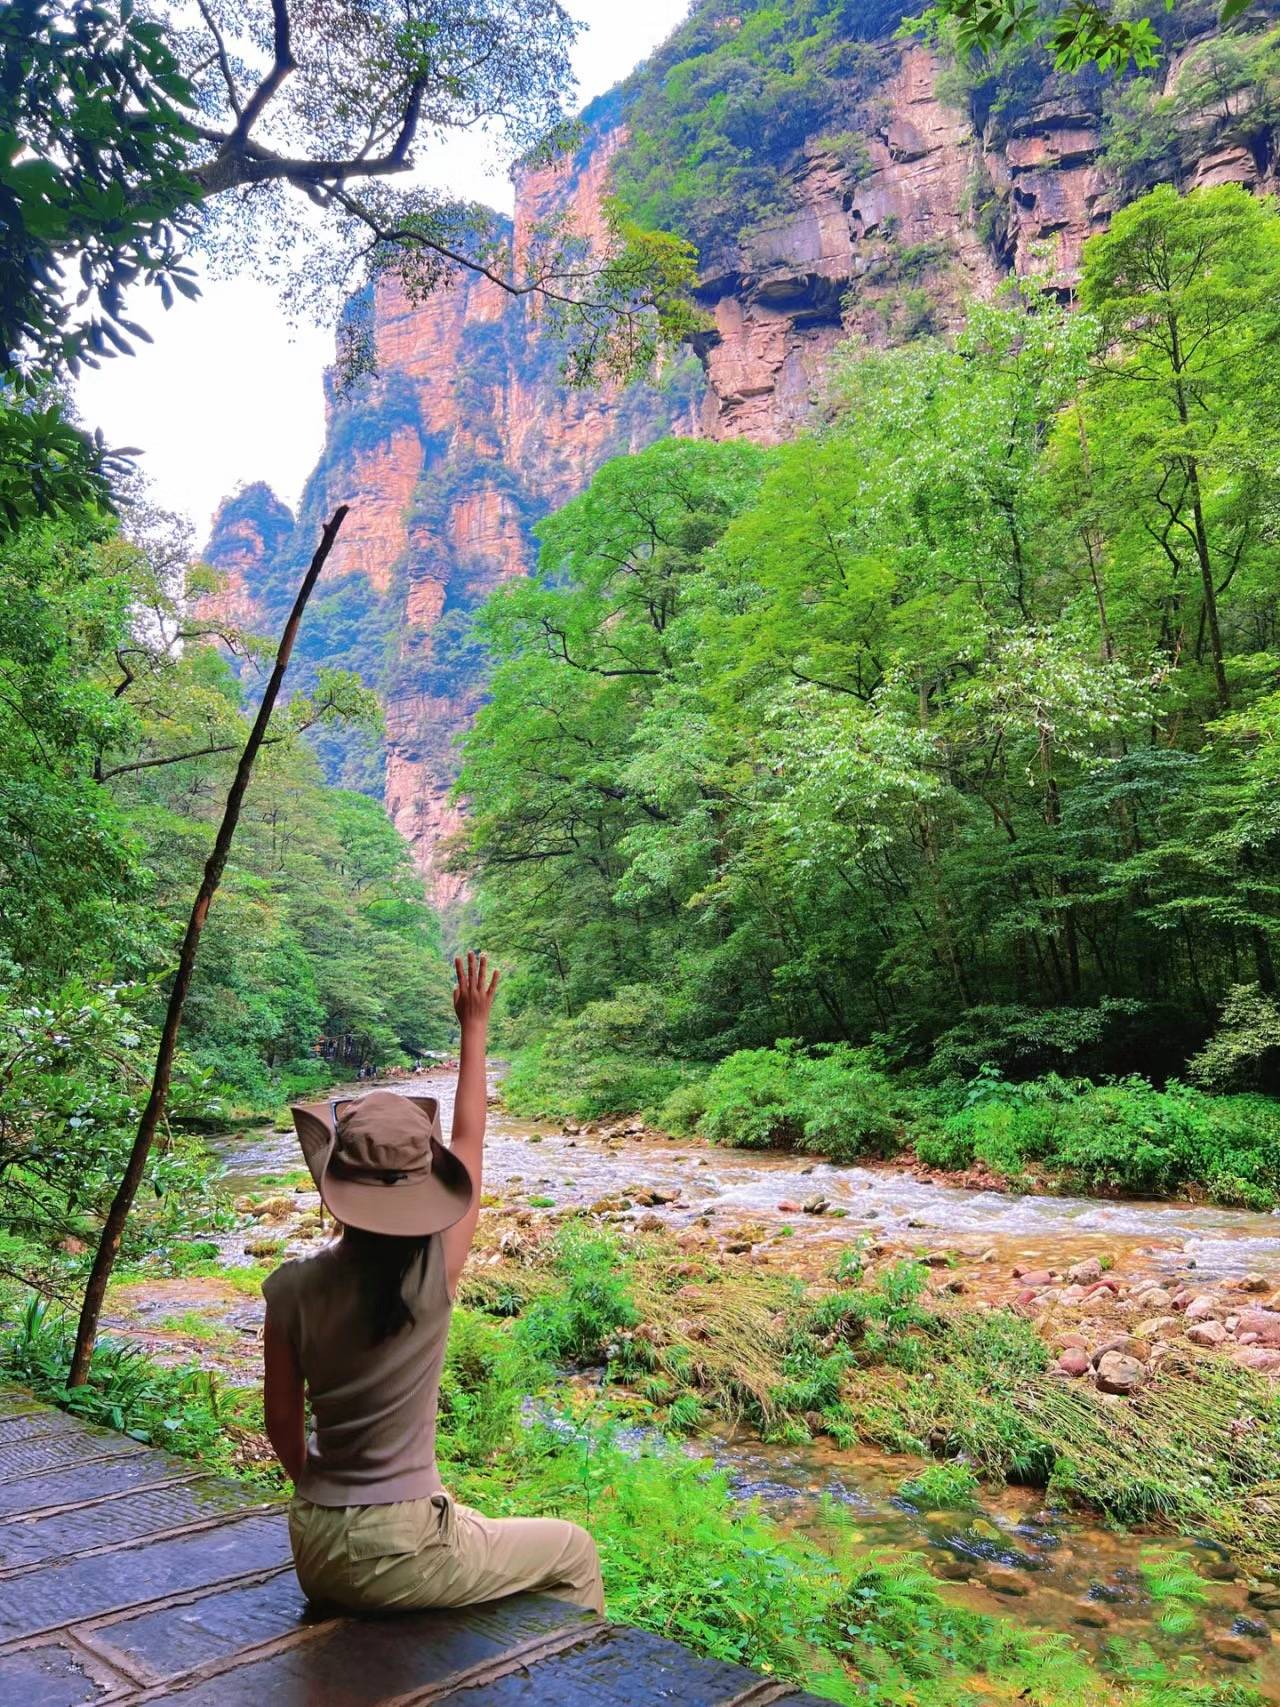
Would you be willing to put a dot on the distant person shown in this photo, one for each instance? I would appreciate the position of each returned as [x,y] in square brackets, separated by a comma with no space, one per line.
[361,1329]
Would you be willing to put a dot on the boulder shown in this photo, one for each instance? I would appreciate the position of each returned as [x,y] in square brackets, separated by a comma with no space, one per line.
[1206,1333]
[1117,1373]
[1264,1323]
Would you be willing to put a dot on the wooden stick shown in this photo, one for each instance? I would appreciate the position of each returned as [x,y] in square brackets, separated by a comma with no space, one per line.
[118,1214]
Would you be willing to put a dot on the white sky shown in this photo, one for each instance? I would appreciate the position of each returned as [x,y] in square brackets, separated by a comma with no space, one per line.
[230,391]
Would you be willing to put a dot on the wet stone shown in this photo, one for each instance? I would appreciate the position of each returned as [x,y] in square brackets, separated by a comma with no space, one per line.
[1239,1650]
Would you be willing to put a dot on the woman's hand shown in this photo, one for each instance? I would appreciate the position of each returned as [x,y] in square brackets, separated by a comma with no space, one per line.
[473,993]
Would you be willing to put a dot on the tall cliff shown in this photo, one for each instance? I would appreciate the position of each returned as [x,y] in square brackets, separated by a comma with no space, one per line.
[902,190]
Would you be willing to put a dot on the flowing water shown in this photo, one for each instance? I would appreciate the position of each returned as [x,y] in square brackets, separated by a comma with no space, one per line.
[1046,1568]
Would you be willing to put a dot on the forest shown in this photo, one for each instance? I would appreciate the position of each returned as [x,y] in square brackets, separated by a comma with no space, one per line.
[939,742]
[875,822]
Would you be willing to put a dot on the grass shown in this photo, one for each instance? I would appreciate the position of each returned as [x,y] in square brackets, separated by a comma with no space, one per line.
[681,1555]
[871,1356]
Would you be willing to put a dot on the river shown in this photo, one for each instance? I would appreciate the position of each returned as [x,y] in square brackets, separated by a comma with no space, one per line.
[1047,1568]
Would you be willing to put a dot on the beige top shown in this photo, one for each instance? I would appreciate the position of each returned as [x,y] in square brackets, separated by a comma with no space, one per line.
[373,1407]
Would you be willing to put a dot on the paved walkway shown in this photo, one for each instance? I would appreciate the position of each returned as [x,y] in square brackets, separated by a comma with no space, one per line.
[127,1576]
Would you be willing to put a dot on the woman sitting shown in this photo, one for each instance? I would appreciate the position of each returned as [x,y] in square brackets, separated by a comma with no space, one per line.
[361,1328]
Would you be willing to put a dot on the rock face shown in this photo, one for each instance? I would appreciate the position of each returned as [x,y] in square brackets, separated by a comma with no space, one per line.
[467,435]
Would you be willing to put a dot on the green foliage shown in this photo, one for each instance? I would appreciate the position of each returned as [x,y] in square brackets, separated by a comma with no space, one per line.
[75,1067]
[727,101]
[593,1304]
[944,731]
[942,1487]
[1244,1051]
[834,1101]
[1121,1136]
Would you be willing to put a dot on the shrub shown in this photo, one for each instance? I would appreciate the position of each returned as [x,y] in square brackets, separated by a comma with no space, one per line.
[1244,1051]
[834,1101]
[942,1487]
[1124,1135]
[580,1318]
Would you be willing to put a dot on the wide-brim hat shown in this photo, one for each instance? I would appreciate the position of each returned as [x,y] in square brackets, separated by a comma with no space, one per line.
[379,1163]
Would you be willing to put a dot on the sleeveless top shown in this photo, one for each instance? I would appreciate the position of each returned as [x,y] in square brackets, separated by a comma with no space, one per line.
[373,1407]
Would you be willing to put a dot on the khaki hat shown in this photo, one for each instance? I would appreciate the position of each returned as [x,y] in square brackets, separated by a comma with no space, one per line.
[379,1163]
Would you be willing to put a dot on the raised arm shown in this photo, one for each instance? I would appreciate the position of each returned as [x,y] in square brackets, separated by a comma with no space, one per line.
[472,999]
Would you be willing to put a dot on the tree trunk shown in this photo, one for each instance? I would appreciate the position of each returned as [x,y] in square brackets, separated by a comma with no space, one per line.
[118,1214]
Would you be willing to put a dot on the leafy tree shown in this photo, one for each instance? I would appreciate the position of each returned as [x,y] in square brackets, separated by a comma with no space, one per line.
[1078,33]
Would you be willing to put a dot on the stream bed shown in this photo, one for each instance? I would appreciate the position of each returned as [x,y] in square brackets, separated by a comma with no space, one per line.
[1047,1568]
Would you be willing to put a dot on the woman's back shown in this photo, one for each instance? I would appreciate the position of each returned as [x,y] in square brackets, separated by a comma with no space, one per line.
[373,1401]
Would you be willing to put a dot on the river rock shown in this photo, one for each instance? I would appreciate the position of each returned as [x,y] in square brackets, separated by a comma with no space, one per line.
[1251,1283]
[1086,1272]
[1158,1327]
[816,1205]
[1265,1596]
[1096,1617]
[1003,1579]
[1256,1357]
[786,1207]
[1074,1361]
[1072,1339]
[1264,1323]
[1182,1297]
[1226,1645]
[1155,1298]
[1206,1333]
[1035,1278]
[1071,1295]
[1117,1373]
[1127,1344]
[1202,1308]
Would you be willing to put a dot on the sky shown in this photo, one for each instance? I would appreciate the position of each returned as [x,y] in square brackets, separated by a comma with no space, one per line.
[230,389]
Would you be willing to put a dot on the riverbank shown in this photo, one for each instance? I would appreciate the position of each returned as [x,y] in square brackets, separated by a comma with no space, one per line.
[871,1376]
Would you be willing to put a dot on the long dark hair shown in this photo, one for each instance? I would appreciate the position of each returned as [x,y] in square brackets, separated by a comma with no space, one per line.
[383,1262]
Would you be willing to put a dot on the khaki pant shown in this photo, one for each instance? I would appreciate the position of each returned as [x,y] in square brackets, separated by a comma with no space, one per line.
[433,1552]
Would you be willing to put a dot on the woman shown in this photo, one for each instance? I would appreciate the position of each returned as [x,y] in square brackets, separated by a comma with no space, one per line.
[361,1327]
